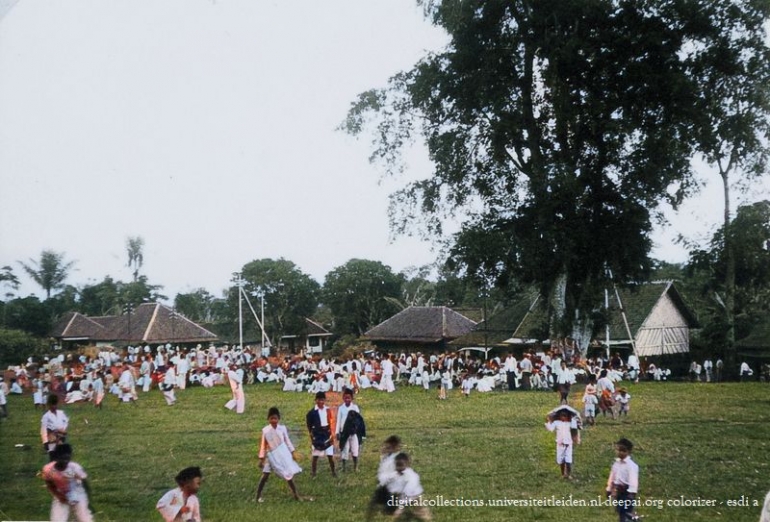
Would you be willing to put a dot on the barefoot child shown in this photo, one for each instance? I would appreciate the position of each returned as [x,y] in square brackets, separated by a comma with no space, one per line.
[591,401]
[278,449]
[562,427]
[321,428]
[181,503]
[351,429]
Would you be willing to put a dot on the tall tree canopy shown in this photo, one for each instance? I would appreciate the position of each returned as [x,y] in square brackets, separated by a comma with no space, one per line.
[290,294]
[734,128]
[357,294]
[749,233]
[50,271]
[556,128]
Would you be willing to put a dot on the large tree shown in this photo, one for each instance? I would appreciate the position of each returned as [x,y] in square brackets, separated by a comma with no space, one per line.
[50,271]
[361,294]
[749,233]
[734,127]
[556,128]
[101,298]
[290,294]
[195,305]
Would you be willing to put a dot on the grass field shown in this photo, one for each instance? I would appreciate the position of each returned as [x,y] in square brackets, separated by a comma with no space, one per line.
[693,442]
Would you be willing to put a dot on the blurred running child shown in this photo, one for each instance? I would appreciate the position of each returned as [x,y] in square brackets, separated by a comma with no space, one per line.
[386,473]
[66,481]
[406,491]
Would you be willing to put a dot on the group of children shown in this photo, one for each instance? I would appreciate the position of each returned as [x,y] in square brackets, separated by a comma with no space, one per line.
[565,421]
[398,485]
[602,395]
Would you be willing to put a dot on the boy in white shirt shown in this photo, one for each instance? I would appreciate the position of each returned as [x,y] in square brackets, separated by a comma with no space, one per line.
[181,504]
[348,436]
[623,482]
[623,398]
[407,491]
[386,473]
[590,400]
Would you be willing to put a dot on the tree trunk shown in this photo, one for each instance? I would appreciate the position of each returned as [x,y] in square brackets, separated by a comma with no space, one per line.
[731,362]
[580,327]
[558,304]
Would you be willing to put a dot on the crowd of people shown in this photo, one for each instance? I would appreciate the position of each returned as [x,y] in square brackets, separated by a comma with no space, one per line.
[130,372]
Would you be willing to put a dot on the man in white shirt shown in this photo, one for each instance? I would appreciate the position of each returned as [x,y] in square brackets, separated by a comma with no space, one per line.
[53,425]
[238,401]
[387,375]
[510,371]
[526,371]
[169,383]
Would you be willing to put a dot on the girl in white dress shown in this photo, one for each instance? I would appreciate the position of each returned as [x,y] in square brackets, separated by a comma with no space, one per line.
[278,449]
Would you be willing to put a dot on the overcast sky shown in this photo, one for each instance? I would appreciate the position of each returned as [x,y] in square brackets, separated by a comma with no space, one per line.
[207,127]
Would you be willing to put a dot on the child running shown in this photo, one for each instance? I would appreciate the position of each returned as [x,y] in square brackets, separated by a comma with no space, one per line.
[278,449]
[181,503]
[66,481]
[386,473]
[406,491]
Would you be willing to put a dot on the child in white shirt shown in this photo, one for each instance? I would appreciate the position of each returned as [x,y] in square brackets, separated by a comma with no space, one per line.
[407,490]
[181,503]
[590,401]
[562,427]
[623,398]
[386,473]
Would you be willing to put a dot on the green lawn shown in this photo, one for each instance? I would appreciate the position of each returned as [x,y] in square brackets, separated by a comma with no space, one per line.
[696,441]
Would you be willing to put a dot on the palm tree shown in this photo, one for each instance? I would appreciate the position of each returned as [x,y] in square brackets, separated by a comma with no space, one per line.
[134,246]
[50,272]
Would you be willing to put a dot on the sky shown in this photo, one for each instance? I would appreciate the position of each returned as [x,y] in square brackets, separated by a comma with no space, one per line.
[208,128]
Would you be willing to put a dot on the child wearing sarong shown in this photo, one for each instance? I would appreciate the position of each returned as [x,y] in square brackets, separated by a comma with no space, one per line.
[278,449]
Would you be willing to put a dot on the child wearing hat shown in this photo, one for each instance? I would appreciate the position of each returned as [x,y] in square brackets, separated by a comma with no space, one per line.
[562,425]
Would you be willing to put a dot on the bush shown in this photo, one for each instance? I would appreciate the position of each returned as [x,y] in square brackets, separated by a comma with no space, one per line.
[16,346]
